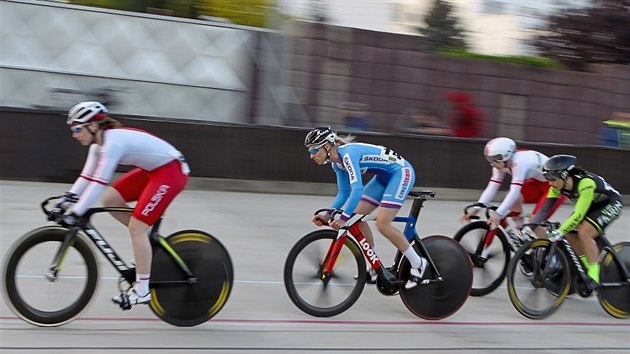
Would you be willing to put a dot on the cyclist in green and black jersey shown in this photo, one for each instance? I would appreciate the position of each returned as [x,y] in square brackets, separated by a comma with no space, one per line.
[597,205]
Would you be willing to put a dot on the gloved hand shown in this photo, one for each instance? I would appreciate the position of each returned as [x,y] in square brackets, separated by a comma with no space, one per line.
[337,224]
[55,213]
[66,200]
[554,234]
[320,220]
[494,219]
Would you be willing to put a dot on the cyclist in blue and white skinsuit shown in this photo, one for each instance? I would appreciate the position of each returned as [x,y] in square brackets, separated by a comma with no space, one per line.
[393,180]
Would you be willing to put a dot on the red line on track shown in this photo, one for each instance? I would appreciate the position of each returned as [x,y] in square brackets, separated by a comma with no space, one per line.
[357,322]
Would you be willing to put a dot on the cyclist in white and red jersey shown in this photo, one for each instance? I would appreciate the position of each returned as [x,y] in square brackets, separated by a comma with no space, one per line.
[160,174]
[527,185]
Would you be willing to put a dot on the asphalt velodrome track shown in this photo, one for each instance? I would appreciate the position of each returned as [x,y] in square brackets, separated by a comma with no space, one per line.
[259,229]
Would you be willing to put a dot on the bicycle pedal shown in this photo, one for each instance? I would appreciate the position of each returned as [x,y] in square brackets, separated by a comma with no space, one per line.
[124,304]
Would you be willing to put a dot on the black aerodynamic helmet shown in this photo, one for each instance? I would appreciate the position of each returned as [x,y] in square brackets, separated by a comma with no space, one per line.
[559,166]
[319,136]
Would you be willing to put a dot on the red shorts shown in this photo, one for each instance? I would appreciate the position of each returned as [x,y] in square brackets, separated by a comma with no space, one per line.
[533,190]
[154,190]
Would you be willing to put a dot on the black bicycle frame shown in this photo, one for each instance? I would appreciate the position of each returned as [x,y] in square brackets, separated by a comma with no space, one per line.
[577,264]
[125,271]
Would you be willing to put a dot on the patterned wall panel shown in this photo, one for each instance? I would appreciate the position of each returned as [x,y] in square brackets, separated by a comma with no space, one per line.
[54,55]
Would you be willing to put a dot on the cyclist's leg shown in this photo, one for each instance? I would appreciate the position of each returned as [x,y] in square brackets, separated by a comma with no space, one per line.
[164,184]
[366,208]
[384,225]
[398,187]
[593,225]
[126,189]
[370,200]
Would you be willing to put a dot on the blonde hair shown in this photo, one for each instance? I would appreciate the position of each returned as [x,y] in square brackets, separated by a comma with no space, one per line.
[344,139]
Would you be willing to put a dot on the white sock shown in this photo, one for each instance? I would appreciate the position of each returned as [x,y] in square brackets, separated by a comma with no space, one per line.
[413,257]
[142,284]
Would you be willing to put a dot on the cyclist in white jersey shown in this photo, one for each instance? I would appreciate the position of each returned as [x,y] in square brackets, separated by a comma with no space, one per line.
[160,174]
[393,180]
[527,185]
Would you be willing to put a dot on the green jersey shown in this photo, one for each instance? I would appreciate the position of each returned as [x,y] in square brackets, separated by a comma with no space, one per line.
[588,189]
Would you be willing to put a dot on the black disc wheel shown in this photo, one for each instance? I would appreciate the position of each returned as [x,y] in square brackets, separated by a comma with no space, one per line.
[439,298]
[185,303]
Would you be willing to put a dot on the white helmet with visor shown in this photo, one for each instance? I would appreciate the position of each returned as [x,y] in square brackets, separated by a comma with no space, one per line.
[85,112]
[499,150]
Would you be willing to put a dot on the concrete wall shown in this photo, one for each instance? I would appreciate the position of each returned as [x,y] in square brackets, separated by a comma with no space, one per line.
[387,72]
[37,145]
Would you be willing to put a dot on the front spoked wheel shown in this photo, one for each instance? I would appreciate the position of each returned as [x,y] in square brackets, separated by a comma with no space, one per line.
[489,252]
[439,298]
[615,300]
[324,295]
[537,287]
[183,303]
[41,297]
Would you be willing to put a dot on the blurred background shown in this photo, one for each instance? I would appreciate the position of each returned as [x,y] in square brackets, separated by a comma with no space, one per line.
[431,78]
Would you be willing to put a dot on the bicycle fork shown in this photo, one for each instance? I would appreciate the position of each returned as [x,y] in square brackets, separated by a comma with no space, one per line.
[57,263]
[564,245]
[327,266]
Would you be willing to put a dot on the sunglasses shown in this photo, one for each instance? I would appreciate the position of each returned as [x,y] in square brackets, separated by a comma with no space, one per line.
[315,149]
[77,128]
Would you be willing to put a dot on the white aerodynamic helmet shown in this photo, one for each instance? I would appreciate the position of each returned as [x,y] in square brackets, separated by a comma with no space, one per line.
[85,112]
[499,149]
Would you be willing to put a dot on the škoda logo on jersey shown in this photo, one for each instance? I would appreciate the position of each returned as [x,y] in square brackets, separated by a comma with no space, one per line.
[348,165]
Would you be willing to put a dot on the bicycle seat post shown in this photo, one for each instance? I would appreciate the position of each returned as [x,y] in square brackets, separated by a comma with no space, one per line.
[419,198]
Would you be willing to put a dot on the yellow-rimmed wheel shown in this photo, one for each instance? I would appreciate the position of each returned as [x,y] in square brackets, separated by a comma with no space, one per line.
[537,287]
[615,299]
[178,301]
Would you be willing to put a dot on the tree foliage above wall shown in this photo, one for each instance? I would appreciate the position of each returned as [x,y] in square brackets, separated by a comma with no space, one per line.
[442,30]
[241,12]
[600,34]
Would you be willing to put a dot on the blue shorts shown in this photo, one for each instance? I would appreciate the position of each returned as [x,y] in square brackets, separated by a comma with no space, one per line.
[390,192]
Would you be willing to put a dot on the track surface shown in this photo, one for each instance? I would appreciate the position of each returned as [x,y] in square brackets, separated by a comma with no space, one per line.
[258,230]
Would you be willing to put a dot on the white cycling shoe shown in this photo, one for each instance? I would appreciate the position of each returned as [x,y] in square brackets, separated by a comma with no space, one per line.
[415,274]
[132,297]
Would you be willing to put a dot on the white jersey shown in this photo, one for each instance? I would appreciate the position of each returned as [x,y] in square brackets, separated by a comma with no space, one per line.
[526,164]
[124,146]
